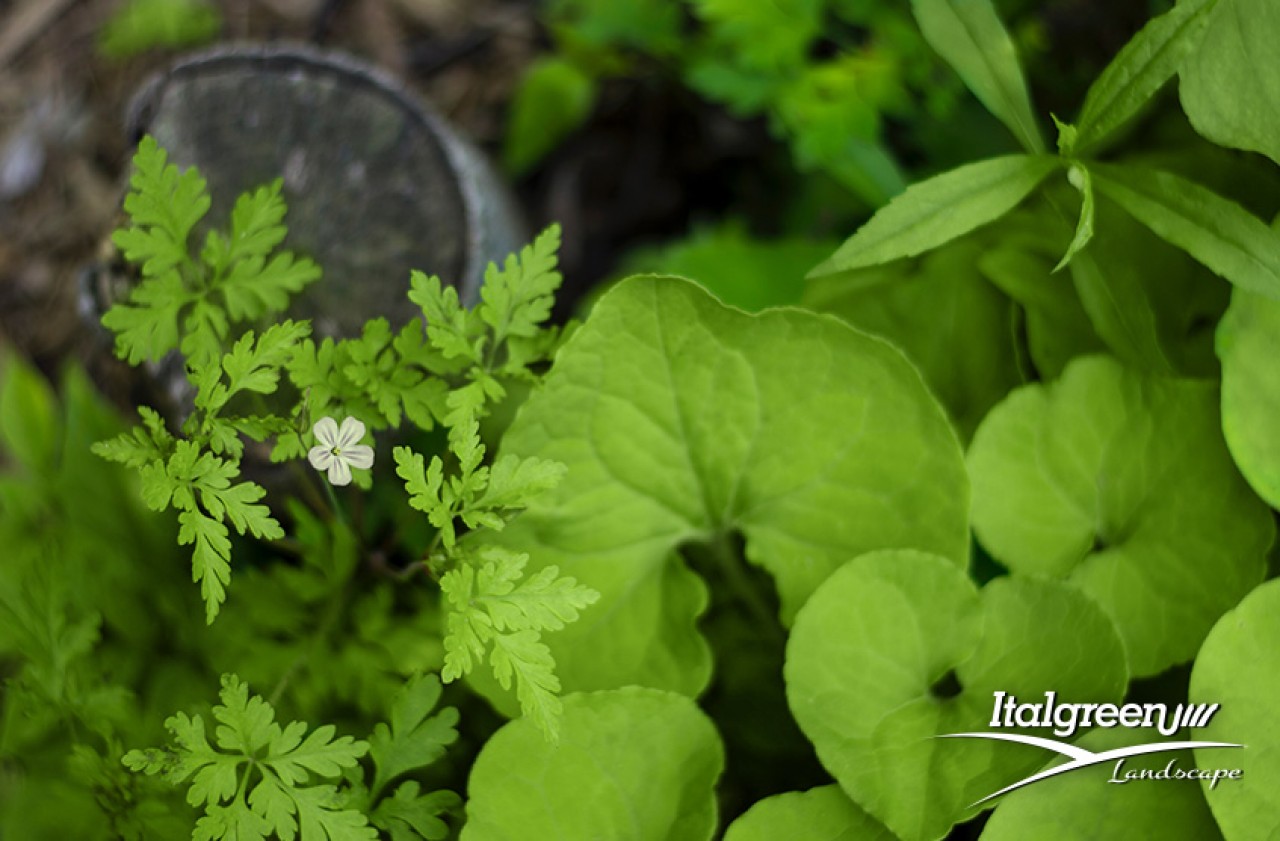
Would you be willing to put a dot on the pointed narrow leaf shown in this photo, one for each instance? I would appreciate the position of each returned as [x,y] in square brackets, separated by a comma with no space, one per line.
[970,36]
[934,212]
[1139,70]
[1218,232]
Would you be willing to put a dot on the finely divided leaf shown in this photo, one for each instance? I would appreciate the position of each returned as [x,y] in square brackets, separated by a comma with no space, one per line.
[163,206]
[414,738]
[934,212]
[970,36]
[516,299]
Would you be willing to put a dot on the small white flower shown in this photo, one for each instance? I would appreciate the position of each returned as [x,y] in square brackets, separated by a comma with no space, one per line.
[340,450]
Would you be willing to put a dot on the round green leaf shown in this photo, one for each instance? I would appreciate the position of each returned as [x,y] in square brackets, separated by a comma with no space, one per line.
[1239,668]
[1083,805]
[1121,483]
[819,814]
[872,649]
[631,764]
[1248,344]
[680,420]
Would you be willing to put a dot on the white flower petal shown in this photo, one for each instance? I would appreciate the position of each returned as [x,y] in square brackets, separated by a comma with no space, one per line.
[350,434]
[359,456]
[320,456]
[339,473]
[326,432]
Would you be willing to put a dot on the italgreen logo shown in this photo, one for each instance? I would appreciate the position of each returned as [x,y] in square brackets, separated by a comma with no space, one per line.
[1066,718]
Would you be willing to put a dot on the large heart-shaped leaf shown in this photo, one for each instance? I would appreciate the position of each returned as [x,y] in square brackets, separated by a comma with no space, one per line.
[1121,483]
[899,647]
[820,814]
[682,420]
[631,765]
[1239,668]
[1248,344]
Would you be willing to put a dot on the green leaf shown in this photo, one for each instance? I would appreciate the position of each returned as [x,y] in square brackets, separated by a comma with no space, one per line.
[256,286]
[679,420]
[632,764]
[516,299]
[943,314]
[29,424]
[1141,68]
[281,764]
[1229,87]
[409,816]
[970,36]
[1082,181]
[820,814]
[490,612]
[1086,804]
[1219,233]
[869,648]
[1121,484]
[146,328]
[164,204]
[1239,668]
[210,558]
[452,329]
[414,738]
[1248,343]
[553,99]
[739,269]
[142,25]
[934,212]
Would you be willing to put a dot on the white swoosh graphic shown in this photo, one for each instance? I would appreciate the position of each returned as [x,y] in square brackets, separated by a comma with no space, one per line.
[1080,758]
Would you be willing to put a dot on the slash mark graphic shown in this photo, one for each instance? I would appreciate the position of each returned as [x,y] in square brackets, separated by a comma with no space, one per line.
[1080,758]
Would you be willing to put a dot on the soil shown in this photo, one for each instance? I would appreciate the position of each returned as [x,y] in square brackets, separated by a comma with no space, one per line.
[651,160]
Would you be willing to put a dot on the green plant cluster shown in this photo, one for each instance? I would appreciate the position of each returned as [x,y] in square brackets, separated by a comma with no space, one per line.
[730,571]
[825,74]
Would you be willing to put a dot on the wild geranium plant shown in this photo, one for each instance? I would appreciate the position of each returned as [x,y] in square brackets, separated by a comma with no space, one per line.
[741,575]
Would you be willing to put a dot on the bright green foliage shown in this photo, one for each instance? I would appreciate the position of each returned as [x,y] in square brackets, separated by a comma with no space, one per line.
[1249,345]
[632,764]
[944,314]
[1109,277]
[1083,805]
[740,270]
[141,25]
[937,211]
[235,278]
[258,780]
[1145,64]
[554,98]
[682,420]
[1230,97]
[490,611]
[969,35]
[820,814]
[196,475]
[868,649]
[1121,484]
[413,738]
[755,58]
[1238,668]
